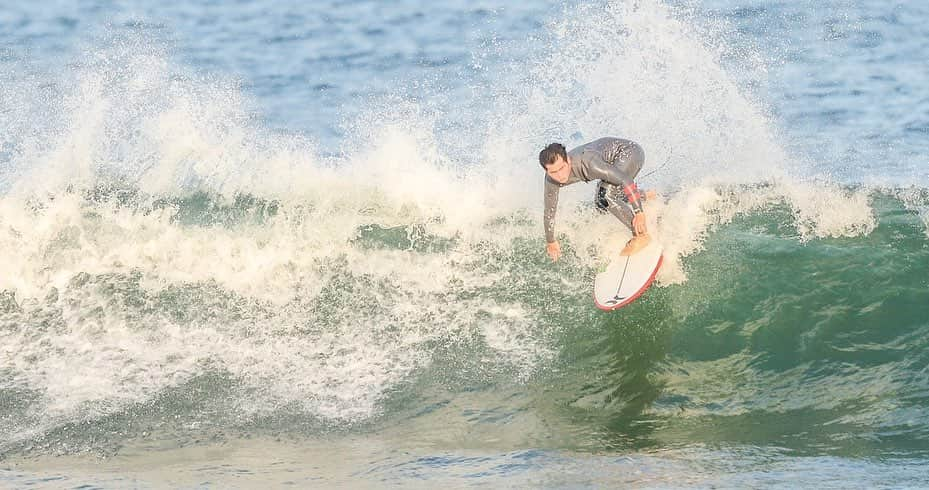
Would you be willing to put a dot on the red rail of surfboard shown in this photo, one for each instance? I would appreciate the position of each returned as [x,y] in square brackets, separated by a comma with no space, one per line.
[638,293]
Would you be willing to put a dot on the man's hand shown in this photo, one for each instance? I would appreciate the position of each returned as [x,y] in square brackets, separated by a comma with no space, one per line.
[638,224]
[554,250]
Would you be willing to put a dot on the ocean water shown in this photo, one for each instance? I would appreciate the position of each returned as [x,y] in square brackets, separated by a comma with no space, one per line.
[300,243]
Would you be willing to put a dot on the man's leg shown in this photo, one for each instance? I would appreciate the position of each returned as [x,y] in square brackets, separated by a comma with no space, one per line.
[630,160]
[611,198]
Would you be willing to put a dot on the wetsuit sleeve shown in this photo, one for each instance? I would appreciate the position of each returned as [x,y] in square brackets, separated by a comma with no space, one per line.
[602,170]
[551,205]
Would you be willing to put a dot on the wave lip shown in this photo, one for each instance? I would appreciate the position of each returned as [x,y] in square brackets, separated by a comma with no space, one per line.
[167,255]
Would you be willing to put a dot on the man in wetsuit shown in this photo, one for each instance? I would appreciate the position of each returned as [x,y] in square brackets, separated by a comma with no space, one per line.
[612,161]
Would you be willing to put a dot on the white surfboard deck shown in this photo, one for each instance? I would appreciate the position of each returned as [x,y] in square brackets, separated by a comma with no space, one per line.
[627,277]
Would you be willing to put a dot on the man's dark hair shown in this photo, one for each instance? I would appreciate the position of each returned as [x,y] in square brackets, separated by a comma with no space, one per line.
[550,153]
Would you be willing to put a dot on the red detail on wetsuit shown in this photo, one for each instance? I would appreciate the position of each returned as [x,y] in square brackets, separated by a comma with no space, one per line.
[632,193]
[633,197]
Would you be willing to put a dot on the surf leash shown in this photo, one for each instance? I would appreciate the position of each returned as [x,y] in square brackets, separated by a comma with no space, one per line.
[663,165]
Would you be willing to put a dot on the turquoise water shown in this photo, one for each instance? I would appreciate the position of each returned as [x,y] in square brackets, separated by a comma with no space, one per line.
[285,244]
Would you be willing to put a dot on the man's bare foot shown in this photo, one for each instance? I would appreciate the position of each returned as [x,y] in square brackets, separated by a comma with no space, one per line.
[635,244]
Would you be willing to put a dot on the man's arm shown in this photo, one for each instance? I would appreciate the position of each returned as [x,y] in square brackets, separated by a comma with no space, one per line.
[551,205]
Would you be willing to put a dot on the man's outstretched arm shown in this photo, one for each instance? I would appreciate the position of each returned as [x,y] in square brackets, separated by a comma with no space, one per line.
[551,205]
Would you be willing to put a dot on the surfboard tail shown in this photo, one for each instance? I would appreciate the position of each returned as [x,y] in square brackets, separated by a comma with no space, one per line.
[627,278]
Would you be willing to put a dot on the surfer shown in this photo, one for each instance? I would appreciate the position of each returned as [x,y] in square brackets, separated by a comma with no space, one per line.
[614,162]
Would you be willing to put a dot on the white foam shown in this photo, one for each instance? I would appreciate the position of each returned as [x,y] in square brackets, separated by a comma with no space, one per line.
[917,200]
[631,69]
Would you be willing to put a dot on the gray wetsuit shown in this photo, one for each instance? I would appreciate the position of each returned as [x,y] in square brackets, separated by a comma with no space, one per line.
[614,162]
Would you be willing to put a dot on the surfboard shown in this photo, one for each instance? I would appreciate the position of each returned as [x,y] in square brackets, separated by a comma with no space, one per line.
[627,277]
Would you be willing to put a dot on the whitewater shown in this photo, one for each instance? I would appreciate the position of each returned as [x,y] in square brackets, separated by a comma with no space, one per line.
[305,245]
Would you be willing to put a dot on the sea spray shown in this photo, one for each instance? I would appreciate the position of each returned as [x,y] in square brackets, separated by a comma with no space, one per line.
[162,244]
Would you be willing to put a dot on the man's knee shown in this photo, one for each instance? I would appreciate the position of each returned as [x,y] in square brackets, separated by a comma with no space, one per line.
[600,200]
[608,195]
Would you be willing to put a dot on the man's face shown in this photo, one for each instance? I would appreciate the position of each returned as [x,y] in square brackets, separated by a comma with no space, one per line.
[559,170]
